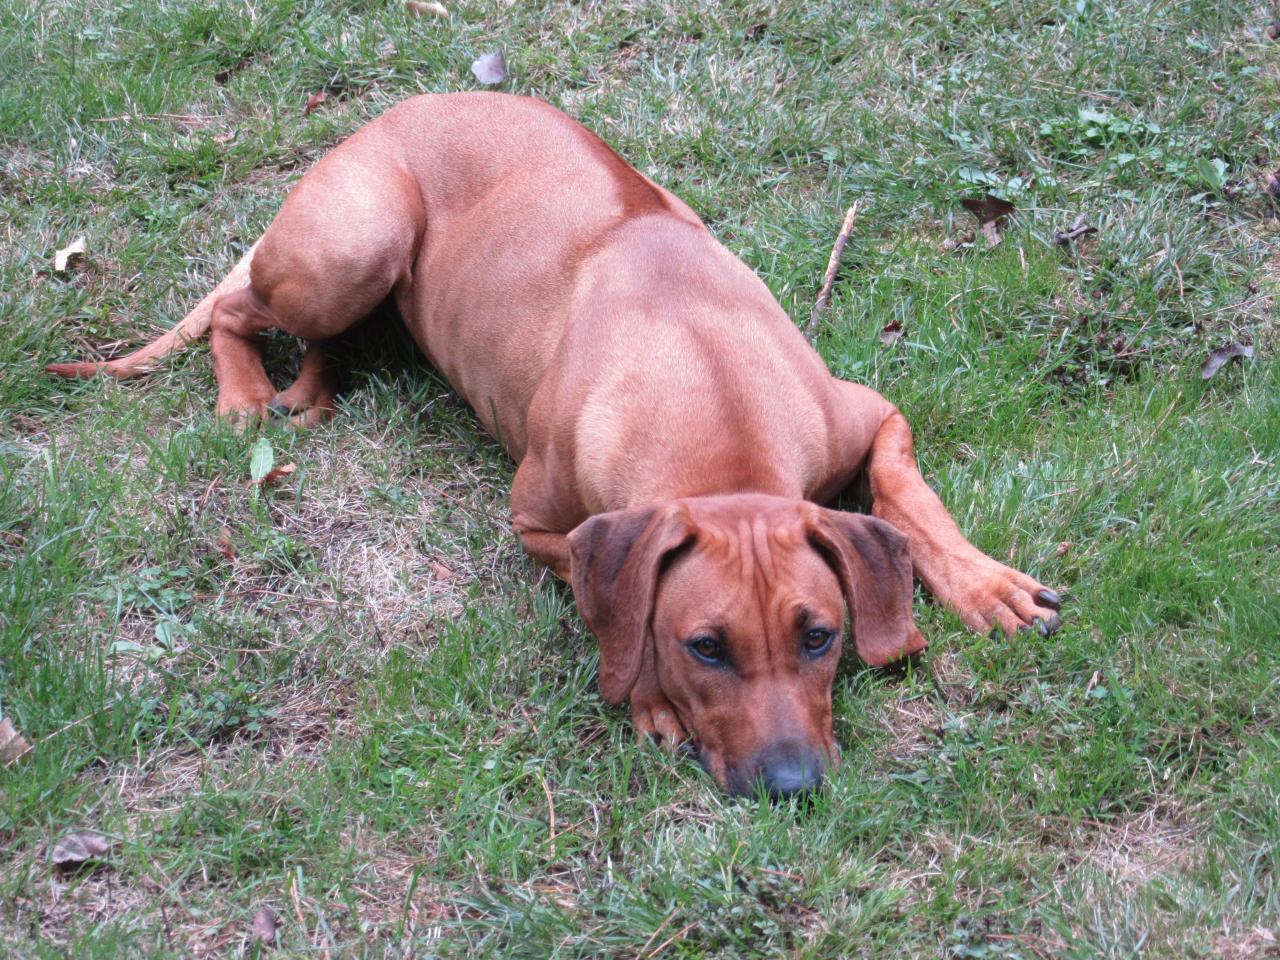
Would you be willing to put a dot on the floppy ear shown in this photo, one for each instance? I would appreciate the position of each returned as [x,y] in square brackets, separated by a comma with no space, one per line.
[873,563]
[614,572]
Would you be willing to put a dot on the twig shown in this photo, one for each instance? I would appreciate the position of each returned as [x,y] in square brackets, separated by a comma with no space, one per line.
[654,936]
[1078,229]
[129,117]
[551,813]
[833,264]
[667,942]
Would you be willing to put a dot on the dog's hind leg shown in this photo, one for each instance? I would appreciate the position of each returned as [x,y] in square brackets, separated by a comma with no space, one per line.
[345,237]
[310,399]
[243,387]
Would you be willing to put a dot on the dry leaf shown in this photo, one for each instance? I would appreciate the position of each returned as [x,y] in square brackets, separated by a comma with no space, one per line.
[990,211]
[224,544]
[264,925]
[891,333]
[314,101]
[1273,183]
[12,744]
[73,251]
[417,8]
[490,68]
[1220,357]
[224,137]
[1062,549]
[274,475]
[957,242]
[78,848]
[440,570]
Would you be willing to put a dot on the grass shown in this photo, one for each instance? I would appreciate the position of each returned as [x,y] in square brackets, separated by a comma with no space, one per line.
[351,699]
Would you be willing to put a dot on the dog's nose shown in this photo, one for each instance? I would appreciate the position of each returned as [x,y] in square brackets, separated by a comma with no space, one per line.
[789,769]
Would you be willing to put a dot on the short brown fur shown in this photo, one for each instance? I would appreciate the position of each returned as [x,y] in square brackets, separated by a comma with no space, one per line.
[674,431]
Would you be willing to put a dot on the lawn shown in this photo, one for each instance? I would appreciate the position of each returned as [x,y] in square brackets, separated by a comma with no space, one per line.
[349,698]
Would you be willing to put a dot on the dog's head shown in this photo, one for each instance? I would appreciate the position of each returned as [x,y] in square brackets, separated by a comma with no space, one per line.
[734,607]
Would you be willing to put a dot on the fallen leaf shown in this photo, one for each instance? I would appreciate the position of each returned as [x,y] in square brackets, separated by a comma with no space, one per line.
[1062,549]
[990,212]
[224,544]
[955,243]
[440,570]
[1273,30]
[12,744]
[490,68]
[78,848]
[261,460]
[891,333]
[1273,183]
[264,925]
[274,476]
[73,251]
[224,137]
[1222,355]
[314,101]
[417,8]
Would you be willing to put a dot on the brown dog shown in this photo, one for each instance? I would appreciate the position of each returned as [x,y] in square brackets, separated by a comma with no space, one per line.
[674,430]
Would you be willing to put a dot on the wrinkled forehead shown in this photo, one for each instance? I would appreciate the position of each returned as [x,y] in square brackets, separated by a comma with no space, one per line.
[757,559]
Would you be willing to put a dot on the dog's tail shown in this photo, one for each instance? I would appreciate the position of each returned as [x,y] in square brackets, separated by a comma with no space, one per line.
[192,327]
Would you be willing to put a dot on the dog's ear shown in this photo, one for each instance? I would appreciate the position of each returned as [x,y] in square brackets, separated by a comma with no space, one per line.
[873,562]
[616,559]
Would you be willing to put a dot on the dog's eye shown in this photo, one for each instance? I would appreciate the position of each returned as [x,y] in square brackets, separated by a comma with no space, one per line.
[706,649]
[817,641]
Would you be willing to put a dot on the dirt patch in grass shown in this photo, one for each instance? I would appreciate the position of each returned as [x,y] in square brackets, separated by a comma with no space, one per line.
[1157,844]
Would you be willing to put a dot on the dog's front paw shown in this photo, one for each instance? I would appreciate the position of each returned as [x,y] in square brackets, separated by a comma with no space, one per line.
[993,597]
[654,717]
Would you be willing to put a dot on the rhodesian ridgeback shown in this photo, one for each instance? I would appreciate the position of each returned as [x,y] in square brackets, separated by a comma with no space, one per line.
[676,435]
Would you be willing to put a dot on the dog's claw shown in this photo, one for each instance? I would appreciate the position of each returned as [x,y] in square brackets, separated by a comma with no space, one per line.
[1047,598]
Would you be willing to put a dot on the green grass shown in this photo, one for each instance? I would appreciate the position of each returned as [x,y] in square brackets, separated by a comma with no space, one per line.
[350,698]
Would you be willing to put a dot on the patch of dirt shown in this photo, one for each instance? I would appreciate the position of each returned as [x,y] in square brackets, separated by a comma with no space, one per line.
[1255,944]
[1151,846]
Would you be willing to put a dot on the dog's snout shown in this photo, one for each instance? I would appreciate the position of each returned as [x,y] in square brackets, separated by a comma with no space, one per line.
[790,768]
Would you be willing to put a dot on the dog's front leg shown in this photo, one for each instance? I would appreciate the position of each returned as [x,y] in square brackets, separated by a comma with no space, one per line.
[983,592]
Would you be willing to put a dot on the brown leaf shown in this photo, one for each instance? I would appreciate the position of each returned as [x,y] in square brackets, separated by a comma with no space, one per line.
[274,476]
[1222,355]
[224,137]
[957,242]
[989,207]
[419,8]
[264,925]
[314,101]
[440,570]
[224,544]
[78,848]
[1062,549]
[1273,30]
[12,744]
[1273,183]
[990,212]
[490,68]
[64,258]
[891,332]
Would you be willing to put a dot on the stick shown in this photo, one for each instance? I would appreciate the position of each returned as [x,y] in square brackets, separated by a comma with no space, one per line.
[833,264]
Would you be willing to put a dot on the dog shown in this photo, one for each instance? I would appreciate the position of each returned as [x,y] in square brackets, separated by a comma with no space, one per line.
[676,435]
